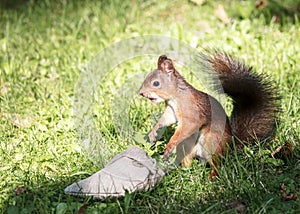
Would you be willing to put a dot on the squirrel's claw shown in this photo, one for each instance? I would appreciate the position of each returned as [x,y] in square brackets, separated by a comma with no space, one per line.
[167,153]
[166,159]
[152,136]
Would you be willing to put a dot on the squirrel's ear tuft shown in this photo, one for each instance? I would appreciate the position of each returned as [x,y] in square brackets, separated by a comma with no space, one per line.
[167,66]
[160,60]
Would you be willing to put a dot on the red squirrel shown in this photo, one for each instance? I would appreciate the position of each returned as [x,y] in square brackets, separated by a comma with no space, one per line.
[203,128]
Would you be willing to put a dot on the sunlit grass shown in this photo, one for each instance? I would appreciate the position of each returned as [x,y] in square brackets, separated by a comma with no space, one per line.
[44,47]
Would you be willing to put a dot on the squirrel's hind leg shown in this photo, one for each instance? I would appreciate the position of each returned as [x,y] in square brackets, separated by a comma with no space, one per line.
[186,150]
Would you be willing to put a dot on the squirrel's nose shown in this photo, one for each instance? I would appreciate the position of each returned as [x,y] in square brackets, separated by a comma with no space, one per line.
[141,93]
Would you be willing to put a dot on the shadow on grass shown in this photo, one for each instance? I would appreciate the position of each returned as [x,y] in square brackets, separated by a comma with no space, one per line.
[44,197]
[183,190]
[13,4]
[252,186]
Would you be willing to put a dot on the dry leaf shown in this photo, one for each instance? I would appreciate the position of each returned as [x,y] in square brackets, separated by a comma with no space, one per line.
[283,151]
[222,15]
[198,2]
[20,190]
[82,209]
[237,205]
[261,4]
[285,196]
[20,121]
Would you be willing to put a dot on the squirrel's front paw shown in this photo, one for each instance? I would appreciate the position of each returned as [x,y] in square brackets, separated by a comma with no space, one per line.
[152,136]
[167,152]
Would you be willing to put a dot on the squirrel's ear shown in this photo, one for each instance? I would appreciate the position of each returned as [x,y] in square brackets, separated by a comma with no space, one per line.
[167,66]
[160,60]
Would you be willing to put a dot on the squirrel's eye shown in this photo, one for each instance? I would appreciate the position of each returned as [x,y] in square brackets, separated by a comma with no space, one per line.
[155,83]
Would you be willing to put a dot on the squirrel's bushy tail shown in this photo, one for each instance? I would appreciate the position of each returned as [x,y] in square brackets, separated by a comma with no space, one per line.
[254,97]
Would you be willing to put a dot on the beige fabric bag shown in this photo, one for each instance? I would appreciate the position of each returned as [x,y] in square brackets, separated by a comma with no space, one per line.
[132,170]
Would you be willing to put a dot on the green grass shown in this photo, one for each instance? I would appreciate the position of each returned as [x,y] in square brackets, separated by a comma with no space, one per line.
[44,46]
